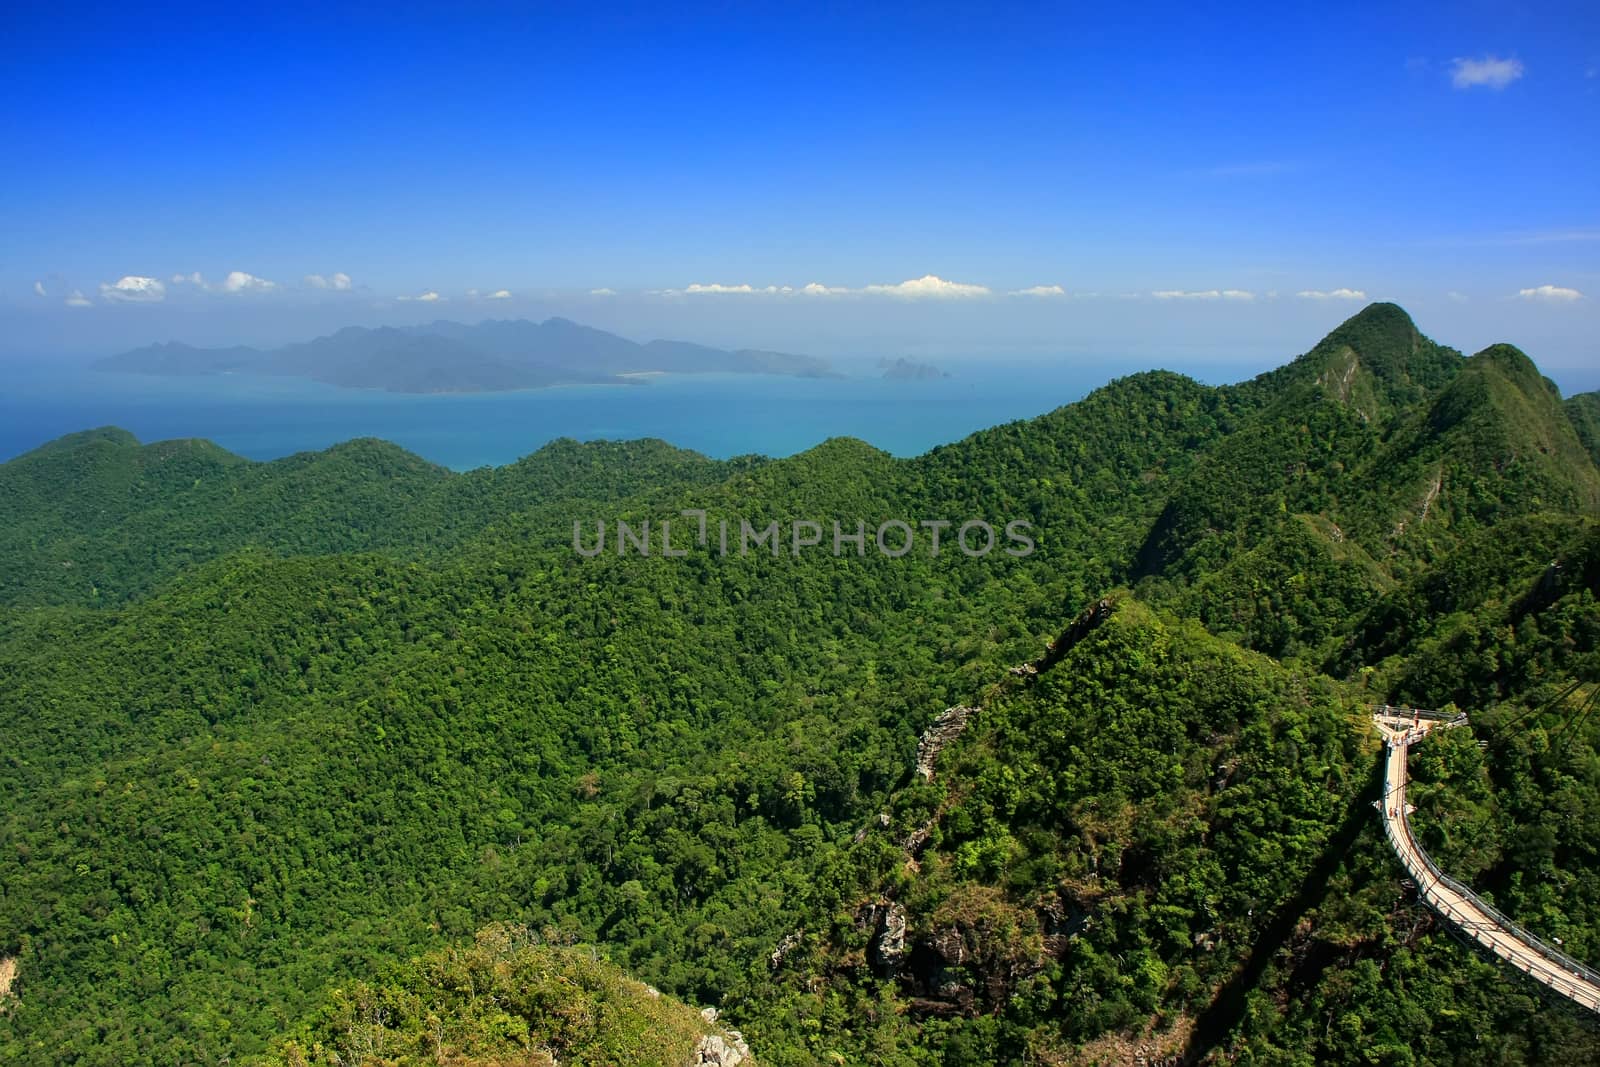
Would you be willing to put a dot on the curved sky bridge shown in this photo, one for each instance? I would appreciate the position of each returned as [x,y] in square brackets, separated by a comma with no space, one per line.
[1459,905]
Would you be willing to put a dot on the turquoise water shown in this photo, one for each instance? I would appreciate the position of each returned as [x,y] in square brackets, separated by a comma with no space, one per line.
[719,415]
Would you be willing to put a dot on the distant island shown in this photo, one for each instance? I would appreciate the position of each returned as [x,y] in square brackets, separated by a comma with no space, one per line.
[452,357]
[909,370]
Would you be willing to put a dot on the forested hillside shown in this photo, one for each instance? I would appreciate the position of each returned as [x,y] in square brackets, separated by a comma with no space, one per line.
[96,518]
[509,997]
[274,729]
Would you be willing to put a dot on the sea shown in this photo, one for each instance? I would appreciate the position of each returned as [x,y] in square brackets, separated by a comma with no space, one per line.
[719,415]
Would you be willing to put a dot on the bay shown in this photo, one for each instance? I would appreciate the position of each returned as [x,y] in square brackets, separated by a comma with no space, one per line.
[719,415]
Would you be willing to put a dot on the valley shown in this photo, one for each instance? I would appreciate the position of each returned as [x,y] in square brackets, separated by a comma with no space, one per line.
[288,741]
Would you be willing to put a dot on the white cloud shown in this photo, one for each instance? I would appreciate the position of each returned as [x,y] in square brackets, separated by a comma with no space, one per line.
[929,286]
[1455,297]
[134,289]
[1203,294]
[499,294]
[1333,294]
[38,289]
[426,298]
[1552,293]
[718,287]
[76,299]
[339,281]
[1489,72]
[1040,290]
[602,292]
[239,281]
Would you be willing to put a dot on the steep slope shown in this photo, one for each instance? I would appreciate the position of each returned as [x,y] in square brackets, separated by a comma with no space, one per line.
[1584,411]
[1496,443]
[1492,565]
[507,998]
[1444,447]
[1291,592]
[1311,421]
[1164,848]
[1113,834]
[1376,363]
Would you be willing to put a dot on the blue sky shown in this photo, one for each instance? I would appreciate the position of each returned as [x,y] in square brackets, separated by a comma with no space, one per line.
[1181,176]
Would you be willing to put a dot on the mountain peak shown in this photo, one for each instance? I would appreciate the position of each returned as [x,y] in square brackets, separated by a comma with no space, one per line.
[114,436]
[1381,335]
[1375,362]
[1382,315]
[1501,417]
[1515,364]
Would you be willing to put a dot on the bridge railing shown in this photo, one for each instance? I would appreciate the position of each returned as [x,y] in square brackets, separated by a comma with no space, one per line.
[1402,712]
[1560,959]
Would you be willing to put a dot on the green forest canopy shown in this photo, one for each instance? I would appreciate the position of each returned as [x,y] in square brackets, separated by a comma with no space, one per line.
[273,727]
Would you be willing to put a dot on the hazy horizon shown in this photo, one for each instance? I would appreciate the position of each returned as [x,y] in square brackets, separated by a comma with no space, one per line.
[1169,186]
[1127,342]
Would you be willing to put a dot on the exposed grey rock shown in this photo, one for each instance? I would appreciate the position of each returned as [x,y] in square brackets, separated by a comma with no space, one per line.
[950,945]
[917,839]
[889,947]
[8,978]
[786,946]
[885,924]
[726,1048]
[1060,922]
[883,822]
[1086,623]
[945,729]
[717,1049]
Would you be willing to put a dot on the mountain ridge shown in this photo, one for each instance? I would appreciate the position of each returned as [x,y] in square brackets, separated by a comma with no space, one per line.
[346,708]
[444,356]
